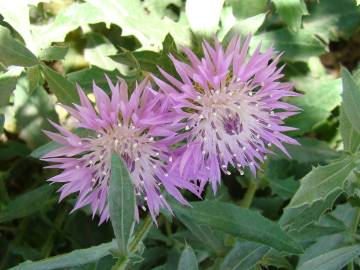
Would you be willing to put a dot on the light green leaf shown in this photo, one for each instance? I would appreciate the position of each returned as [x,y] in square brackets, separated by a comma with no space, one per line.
[244,256]
[243,9]
[332,19]
[38,198]
[75,258]
[97,52]
[44,149]
[203,15]
[332,260]
[70,18]
[121,203]
[12,52]
[240,222]
[351,138]
[357,2]
[33,75]
[53,53]
[245,27]
[134,20]
[291,11]
[7,84]
[320,98]
[297,46]
[188,260]
[351,98]
[322,181]
[63,89]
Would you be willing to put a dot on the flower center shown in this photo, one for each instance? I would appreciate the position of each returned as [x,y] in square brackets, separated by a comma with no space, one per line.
[232,125]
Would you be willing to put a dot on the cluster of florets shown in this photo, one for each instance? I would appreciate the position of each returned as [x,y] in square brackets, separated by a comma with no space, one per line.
[223,110]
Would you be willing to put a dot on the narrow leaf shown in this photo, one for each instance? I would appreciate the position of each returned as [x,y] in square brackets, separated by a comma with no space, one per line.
[121,203]
[188,260]
[12,52]
[75,258]
[44,149]
[240,222]
[63,89]
[351,99]
[351,138]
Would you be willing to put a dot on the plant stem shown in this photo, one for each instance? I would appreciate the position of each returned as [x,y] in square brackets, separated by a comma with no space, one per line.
[249,195]
[353,230]
[122,262]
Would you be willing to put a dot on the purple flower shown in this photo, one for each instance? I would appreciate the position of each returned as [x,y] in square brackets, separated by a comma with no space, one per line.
[232,109]
[140,129]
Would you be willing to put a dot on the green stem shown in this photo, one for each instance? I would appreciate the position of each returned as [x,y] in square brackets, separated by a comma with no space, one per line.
[354,230]
[122,262]
[249,195]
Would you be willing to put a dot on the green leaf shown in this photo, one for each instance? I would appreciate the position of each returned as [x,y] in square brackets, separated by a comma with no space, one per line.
[2,122]
[188,260]
[319,99]
[12,52]
[8,82]
[63,89]
[33,75]
[297,46]
[44,149]
[291,11]
[322,181]
[351,138]
[38,198]
[244,256]
[351,99]
[75,258]
[86,77]
[332,19]
[332,260]
[53,53]
[121,203]
[133,18]
[240,222]
[243,9]
[285,188]
[203,15]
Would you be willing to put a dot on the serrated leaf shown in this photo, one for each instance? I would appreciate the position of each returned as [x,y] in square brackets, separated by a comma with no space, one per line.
[203,15]
[12,52]
[53,53]
[332,19]
[121,203]
[8,82]
[322,181]
[332,260]
[351,138]
[75,258]
[38,199]
[240,222]
[243,9]
[244,256]
[297,46]
[188,260]
[63,89]
[351,99]
[291,11]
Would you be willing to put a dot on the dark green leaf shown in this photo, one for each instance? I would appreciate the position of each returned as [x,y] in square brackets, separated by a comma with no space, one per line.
[351,99]
[240,222]
[2,121]
[53,53]
[38,199]
[121,203]
[285,188]
[63,89]
[244,256]
[12,52]
[72,259]
[34,77]
[188,260]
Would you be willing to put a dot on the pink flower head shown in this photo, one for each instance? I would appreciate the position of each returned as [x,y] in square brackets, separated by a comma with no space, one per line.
[232,109]
[140,129]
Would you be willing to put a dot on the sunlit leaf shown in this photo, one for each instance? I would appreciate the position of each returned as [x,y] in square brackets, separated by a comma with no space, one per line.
[53,53]
[291,12]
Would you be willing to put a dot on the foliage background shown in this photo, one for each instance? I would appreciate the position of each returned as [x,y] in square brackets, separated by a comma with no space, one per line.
[303,212]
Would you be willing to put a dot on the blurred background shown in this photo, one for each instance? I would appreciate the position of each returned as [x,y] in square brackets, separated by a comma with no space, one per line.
[48,46]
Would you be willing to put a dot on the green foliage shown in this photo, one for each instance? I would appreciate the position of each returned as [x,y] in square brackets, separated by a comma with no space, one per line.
[304,213]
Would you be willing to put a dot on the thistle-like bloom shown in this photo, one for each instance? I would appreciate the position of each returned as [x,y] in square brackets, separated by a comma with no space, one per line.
[140,130]
[231,105]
